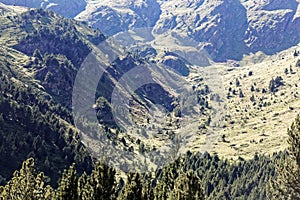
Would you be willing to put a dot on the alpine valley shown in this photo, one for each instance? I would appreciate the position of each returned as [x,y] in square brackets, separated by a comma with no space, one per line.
[216,119]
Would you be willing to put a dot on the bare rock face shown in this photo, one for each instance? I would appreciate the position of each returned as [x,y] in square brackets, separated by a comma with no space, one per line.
[227,29]
[176,63]
[67,8]
[273,25]
[231,28]
[215,24]
[107,20]
[148,10]
[279,4]
[113,17]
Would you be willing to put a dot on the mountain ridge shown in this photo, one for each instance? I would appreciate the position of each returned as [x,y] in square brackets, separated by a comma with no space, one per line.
[226,35]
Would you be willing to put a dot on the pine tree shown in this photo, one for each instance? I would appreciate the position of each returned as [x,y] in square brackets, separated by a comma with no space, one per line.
[67,189]
[252,98]
[147,191]
[26,184]
[166,184]
[272,85]
[84,188]
[287,184]
[237,82]
[241,95]
[286,71]
[102,182]
[187,187]
[133,188]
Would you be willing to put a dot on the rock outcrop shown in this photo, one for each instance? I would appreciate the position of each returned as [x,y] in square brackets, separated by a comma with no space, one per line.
[227,29]
[67,8]
[113,17]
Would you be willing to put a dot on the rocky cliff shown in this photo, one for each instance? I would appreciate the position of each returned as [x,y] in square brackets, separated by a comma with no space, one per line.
[228,29]
[113,17]
[67,8]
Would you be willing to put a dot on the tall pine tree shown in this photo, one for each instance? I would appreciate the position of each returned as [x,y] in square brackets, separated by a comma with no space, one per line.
[133,188]
[26,184]
[287,184]
[187,187]
[67,189]
[102,181]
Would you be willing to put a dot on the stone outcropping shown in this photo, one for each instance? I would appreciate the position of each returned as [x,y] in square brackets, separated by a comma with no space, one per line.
[227,29]
[67,8]
[113,17]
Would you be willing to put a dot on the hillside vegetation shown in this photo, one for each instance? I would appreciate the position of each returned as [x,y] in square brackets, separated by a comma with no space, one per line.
[242,111]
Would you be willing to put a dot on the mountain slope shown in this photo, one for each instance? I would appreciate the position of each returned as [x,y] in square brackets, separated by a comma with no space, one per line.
[240,110]
[67,8]
[263,101]
[227,29]
[44,52]
[113,17]
[34,122]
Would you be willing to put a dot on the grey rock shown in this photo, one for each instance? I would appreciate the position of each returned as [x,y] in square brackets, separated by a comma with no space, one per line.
[227,29]
[67,8]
